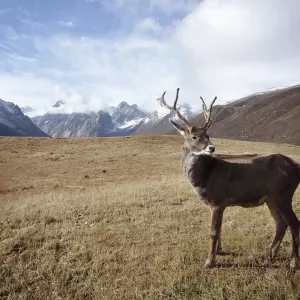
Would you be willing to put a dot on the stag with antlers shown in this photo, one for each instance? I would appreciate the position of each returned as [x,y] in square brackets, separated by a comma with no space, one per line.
[270,180]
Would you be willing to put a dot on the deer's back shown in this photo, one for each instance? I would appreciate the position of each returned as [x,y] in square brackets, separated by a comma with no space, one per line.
[245,184]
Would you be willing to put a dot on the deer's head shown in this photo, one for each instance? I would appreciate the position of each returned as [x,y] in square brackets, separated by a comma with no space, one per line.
[196,138]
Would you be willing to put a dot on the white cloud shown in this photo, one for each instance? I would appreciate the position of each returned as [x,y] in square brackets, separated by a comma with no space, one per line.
[39,93]
[227,48]
[128,69]
[26,89]
[238,47]
[170,7]
[148,25]
[75,101]
[66,23]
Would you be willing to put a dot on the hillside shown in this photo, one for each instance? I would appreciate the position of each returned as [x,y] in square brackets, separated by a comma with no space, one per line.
[268,117]
[13,122]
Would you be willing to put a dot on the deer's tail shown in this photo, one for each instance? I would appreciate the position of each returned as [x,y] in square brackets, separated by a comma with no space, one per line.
[297,166]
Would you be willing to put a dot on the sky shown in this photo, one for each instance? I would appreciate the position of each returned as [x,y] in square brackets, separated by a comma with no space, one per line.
[96,53]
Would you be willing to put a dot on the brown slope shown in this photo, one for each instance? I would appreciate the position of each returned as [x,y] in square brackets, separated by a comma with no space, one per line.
[267,117]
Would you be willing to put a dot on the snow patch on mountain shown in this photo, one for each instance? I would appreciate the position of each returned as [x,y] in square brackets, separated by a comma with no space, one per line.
[27,110]
[131,123]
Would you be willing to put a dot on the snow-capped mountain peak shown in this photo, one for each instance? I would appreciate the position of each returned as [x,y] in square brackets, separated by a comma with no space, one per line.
[59,103]
[27,110]
[124,113]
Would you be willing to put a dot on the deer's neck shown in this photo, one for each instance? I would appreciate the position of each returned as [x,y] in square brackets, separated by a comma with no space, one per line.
[197,168]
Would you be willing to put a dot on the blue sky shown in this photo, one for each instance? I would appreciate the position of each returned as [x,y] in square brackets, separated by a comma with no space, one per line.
[96,53]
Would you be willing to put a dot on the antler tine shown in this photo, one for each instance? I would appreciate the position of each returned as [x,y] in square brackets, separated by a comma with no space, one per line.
[183,118]
[203,103]
[176,99]
[174,107]
[207,113]
[211,105]
[163,102]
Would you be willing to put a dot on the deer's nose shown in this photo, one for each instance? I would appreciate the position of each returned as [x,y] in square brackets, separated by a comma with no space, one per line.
[211,148]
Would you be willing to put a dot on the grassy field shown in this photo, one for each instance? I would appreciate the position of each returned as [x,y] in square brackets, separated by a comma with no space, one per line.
[113,218]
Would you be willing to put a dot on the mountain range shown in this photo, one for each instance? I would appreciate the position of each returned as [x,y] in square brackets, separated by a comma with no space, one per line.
[270,116]
[121,120]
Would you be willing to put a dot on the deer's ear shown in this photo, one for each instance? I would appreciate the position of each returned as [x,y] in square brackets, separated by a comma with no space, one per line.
[181,129]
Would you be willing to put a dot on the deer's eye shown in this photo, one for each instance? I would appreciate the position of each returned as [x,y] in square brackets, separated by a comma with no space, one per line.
[194,137]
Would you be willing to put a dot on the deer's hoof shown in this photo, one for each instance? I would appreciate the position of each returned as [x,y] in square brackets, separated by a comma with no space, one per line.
[295,264]
[209,264]
[272,254]
[222,252]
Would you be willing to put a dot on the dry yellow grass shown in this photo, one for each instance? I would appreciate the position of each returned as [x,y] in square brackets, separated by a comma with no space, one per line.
[113,218]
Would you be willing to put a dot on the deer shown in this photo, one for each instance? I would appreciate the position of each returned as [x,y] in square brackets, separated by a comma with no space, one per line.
[253,181]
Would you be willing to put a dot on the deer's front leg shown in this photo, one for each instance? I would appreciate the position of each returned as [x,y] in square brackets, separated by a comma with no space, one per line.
[219,245]
[215,234]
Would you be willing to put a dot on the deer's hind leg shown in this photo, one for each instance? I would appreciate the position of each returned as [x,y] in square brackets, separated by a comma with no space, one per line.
[281,227]
[289,216]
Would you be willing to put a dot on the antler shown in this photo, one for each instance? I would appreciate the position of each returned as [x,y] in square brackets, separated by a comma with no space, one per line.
[174,107]
[207,113]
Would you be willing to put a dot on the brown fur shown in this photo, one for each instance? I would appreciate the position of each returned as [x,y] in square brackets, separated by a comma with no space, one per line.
[243,180]
[252,181]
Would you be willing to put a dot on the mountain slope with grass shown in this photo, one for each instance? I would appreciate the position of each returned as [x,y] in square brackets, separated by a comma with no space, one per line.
[271,116]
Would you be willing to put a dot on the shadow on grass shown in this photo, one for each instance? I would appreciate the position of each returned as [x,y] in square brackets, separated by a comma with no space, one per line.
[262,262]
[228,253]
[247,265]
